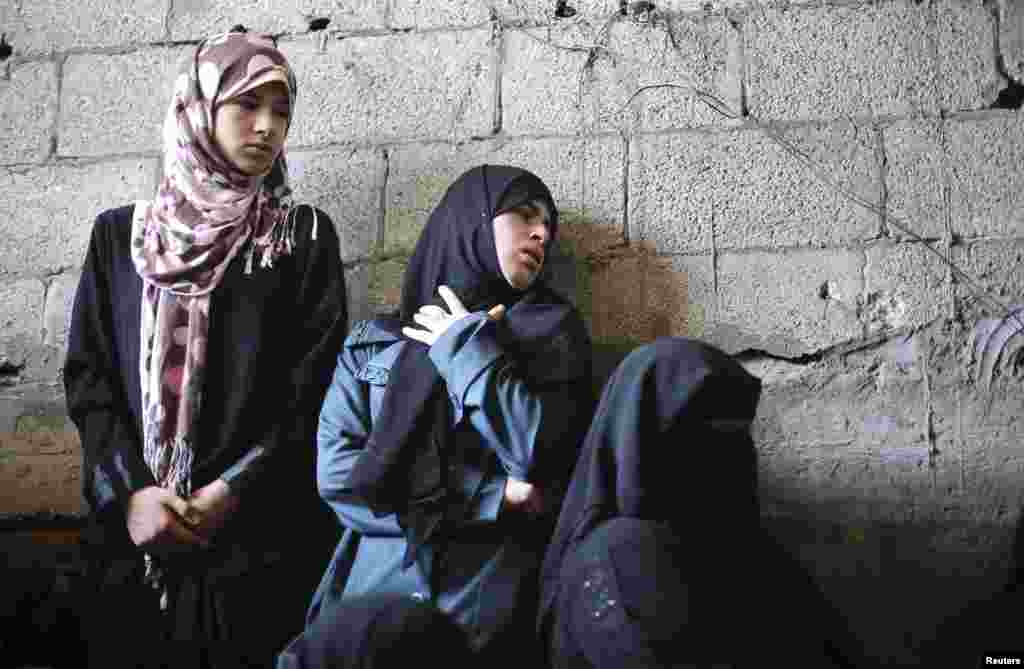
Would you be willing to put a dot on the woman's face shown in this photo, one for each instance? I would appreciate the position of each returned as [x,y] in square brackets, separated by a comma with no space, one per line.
[521,236]
[250,128]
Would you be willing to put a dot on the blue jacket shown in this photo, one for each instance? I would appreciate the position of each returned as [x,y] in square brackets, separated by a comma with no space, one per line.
[504,413]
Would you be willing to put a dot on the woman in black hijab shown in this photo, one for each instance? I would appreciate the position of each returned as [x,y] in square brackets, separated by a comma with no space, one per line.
[657,558]
[665,488]
[451,427]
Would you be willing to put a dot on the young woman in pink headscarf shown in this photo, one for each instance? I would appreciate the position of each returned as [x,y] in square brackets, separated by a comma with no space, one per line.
[201,343]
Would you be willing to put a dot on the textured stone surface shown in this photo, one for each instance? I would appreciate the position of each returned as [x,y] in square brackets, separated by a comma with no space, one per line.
[631,296]
[675,50]
[592,12]
[28,99]
[20,319]
[987,188]
[195,19]
[541,87]
[829,62]
[346,184]
[40,461]
[773,301]
[998,268]
[58,25]
[968,74]
[743,188]
[46,213]
[60,296]
[1011,37]
[116,103]
[905,286]
[437,13]
[420,85]
[548,85]
[915,178]
[357,287]
[585,178]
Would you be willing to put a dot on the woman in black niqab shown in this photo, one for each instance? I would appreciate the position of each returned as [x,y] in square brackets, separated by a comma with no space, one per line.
[658,559]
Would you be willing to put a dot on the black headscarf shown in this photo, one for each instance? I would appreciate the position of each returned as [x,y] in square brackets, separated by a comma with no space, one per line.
[398,473]
[670,442]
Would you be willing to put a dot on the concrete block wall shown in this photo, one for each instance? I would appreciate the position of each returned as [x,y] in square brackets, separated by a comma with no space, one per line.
[805,220]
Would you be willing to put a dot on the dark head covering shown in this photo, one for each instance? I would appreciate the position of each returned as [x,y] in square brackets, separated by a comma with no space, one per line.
[404,475]
[670,442]
[377,631]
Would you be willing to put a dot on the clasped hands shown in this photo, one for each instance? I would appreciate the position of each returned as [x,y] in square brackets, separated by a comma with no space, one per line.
[436,320]
[163,522]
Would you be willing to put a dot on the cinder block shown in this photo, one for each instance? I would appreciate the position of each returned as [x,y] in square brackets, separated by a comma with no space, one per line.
[422,14]
[585,178]
[915,178]
[60,297]
[20,319]
[436,85]
[631,296]
[674,50]
[548,85]
[34,28]
[969,76]
[541,84]
[116,103]
[850,441]
[195,20]
[987,189]
[1011,37]
[835,61]
[28,103]
[976,420]
[46,213]
[997,267]
[788,304]
[905,286]
[746,190]
[346,184]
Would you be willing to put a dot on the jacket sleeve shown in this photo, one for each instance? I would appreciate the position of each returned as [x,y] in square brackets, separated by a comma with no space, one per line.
[320,321]
[113,467]
[345,424]
[534,423]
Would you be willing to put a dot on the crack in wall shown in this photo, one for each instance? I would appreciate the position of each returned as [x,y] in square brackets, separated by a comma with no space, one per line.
[498,38]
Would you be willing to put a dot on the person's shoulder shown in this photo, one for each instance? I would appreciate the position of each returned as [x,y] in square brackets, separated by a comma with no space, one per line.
[113,227]
[116,217]
[370,351]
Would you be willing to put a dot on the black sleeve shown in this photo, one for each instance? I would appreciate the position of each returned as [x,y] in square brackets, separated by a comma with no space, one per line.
[113,467]
[320,324]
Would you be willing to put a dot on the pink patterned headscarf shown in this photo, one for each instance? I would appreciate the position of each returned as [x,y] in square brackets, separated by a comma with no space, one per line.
[205,213]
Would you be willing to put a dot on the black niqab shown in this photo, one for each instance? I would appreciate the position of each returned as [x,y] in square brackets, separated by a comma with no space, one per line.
[670,436]
[398,473]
